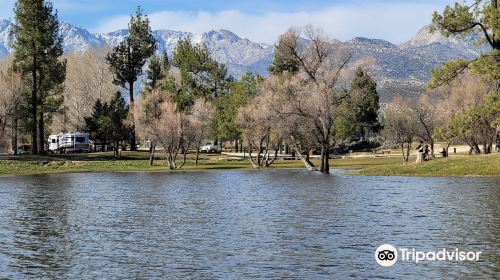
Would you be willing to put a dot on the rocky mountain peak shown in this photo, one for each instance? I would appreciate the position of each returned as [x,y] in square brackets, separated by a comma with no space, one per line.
[398,69]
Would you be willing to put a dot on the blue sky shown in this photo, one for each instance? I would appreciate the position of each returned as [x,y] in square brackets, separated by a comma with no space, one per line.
[258,20]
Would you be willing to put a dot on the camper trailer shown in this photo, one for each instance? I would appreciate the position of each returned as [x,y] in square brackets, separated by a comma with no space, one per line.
[69,142]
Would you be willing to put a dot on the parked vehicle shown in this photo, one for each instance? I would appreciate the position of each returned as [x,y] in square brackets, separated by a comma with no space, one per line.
[210,148]
[23,150]
[69,142]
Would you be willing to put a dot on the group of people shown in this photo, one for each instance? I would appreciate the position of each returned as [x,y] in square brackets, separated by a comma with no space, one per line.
[422,152]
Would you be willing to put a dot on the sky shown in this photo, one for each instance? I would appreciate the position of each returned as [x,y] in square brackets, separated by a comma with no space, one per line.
[258,20]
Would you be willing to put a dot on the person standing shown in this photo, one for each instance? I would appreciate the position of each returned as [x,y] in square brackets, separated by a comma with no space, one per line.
[444,153]
[426,153]
[420,152]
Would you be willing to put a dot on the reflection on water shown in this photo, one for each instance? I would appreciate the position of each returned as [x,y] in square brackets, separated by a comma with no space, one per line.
[242,224]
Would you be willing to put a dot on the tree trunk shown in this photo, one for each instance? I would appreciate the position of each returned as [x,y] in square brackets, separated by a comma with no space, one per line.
[34,105]
[14,137]
[184,156]
[173,164]
[197,156]
[307,163]
[307,159]
[447,148]
[275,156]
[133,146]
[41,134]
[152,154]
[324,166]
[250,158]
[432,149]
[408,148]
[259,158]
[475,149]
[403,153]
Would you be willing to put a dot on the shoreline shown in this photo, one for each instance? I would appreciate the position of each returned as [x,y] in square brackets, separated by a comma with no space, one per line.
[132,162]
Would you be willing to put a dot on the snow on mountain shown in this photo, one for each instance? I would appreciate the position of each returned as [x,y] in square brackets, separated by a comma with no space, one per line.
[398,69]
[425,38]
[6,37]
[76,39]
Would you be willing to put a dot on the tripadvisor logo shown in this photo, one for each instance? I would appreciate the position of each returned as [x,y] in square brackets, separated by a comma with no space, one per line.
[387,255]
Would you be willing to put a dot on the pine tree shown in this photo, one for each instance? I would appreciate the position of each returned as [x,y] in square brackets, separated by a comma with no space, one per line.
[282,63]
[128,58]
[239,95]
[365,101]
[157,70]
[107,122]
[37,49]
[201,76]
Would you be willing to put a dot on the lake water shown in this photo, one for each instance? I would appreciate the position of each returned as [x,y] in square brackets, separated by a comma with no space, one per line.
[242,225]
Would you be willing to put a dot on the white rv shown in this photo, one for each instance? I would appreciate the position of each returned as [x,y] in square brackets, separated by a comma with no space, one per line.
[69,142]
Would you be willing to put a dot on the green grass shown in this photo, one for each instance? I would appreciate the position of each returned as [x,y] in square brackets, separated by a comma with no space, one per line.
[138,162]
[102,162]
[482,165]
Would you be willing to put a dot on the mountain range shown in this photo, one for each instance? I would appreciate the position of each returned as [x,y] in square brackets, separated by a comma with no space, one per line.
[402,69]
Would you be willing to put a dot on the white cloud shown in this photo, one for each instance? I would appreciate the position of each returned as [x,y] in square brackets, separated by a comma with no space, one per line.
[394,22]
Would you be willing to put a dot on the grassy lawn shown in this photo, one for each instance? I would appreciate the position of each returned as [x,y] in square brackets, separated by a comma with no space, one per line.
[483,165]
[138,161]
[103,162]
[129,161]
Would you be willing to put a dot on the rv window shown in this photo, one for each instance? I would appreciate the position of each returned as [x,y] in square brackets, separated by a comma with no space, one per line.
[80,139]
[53,140]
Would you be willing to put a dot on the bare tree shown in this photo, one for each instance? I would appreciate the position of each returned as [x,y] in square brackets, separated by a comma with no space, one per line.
[281,95]
[171,132]
[425,115]
[314,93]
[11,89]
[201,117]
[399,125]
[464,114]
[262,128]
[148,115]
[159,120]
[88,79]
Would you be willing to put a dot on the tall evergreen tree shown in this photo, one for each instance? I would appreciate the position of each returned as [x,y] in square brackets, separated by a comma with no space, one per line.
[282,59]
[194,66]
[239,95]
[201,76]
[107,122]
[358,113]
[37,48]
[157,70]
[128,58]
[366,102]
[218,80]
